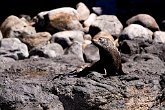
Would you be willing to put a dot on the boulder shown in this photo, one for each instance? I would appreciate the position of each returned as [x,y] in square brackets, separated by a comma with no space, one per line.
[66,38]
[145,20]
[75,49]
[34,40]
[48,51]
[14,27]
[1,36]
[59,19]
[92,17]
[108,23]
[13,48]
[159,36]
[91,53]
[136,31]
[83,11]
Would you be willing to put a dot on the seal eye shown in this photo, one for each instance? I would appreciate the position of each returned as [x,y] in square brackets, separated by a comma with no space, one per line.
[101,40]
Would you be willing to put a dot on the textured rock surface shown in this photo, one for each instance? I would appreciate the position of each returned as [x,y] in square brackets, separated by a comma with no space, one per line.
[134,31]
[41,83]
[13,48]
[108,23]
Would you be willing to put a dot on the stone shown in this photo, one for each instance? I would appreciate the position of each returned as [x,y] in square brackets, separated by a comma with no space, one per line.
[59,19]
[92,17]
[145,20]
[136,31]
[66,38]
[159,36]
[34,40]
[14,27]
[91,53]
[83,11]
[75,49]
[51,50]
[13,48]
[1,36]
[108,23]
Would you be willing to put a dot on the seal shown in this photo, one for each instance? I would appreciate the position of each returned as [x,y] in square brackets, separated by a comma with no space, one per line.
[110,59]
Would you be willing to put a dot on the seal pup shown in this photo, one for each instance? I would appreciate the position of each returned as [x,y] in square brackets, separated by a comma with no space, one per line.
[110,59]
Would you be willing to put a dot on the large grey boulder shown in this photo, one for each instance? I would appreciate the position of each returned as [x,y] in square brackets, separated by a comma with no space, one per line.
[159,36]
[13,48]
[75,49]
[49,51]
[136,31]
[66,38]
[108,23]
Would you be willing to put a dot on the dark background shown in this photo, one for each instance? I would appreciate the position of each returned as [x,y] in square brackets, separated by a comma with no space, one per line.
[123,9]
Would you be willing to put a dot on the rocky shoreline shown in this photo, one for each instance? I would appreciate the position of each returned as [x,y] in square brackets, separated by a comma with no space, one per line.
[37,55]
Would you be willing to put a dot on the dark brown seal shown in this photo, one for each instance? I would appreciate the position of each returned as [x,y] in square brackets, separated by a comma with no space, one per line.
[110,59]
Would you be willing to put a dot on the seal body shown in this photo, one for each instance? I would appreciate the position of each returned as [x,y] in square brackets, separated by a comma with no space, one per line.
[110,59]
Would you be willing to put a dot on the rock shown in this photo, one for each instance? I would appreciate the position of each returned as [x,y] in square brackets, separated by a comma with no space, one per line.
[108,23]
[1,36]
[75,49]
[59,19]
[66,38]
[157,49]
[13,48]
[91,53]
[159,36]
[92,17]
[45,83]
[83,11]
[136,31]
[15,27]
[101,7]
[162,25]
[25,17]
[34,40]
[130,47]
[87,37]
[97,10]
[49,51]
[86,43]
[4,61]
[144,20]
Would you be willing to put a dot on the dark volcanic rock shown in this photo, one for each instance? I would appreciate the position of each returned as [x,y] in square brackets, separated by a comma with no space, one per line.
[46,84]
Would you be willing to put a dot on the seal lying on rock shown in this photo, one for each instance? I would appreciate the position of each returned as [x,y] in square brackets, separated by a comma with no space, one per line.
[110,59]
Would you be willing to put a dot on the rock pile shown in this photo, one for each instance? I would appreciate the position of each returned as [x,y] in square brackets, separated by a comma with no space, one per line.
[35,53]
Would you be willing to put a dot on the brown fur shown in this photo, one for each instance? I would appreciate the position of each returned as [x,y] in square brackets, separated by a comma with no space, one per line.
[109,55]
[110,59]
